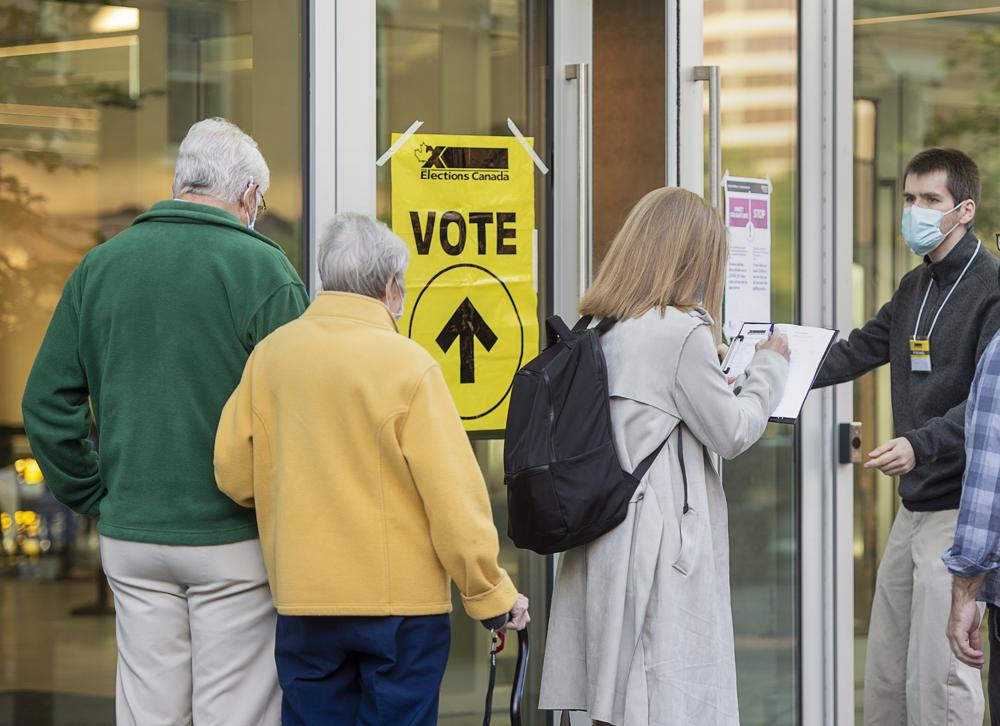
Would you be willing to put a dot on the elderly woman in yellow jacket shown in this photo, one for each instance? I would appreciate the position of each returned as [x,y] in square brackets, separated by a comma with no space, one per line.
[344,437]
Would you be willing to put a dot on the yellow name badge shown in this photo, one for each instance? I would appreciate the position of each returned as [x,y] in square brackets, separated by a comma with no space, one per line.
[920,355]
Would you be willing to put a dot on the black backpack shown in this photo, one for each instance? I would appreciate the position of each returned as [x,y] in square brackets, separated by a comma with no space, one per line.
[565,484]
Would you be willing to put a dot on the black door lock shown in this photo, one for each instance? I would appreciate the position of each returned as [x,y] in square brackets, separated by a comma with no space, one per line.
[849,436]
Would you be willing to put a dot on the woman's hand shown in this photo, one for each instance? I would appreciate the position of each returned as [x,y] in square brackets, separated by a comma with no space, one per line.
[778,342]
[519,617]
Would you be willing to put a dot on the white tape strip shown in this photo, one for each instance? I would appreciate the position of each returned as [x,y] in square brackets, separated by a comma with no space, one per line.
[399,142]
[527,147]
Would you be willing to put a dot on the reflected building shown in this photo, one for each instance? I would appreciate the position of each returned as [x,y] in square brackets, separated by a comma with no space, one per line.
[96,96]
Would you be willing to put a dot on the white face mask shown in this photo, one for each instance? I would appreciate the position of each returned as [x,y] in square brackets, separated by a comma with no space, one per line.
[402,299]
[252,219]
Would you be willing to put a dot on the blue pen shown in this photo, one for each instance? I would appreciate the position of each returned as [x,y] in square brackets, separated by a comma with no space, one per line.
[771,331]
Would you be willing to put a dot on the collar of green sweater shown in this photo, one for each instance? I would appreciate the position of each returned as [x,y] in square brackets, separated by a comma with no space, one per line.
[360,308]
[175,210]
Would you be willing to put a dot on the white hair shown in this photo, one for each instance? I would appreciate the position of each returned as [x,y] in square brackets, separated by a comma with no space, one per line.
[361,255]
[217,159]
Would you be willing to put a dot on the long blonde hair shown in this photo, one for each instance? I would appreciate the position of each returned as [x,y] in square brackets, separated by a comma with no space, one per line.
[671,251]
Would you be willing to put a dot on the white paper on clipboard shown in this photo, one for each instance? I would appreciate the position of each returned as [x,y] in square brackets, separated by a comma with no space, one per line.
[809,347]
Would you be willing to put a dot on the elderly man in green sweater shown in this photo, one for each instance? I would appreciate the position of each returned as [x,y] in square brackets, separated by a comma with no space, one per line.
[149,339]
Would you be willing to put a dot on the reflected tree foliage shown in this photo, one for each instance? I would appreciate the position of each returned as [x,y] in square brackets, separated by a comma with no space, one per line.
[25,220]
[974,127]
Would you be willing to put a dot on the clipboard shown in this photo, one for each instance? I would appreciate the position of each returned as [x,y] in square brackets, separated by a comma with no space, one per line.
[809,347]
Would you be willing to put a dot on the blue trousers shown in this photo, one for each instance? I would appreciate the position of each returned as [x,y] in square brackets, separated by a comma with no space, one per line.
[364,671]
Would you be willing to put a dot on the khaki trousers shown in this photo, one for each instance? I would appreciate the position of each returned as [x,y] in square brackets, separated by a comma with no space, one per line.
[195,630]
[911,676]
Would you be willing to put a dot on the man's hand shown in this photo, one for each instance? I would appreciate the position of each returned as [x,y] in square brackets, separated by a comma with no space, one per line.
[519,617]
[893,458]
[963,623]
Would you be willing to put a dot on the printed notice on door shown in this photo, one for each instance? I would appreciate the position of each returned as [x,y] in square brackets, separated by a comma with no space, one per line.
[748,277]
[465,205]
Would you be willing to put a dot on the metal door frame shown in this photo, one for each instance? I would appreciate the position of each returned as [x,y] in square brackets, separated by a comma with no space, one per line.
[825,224]
[342,103]
[826,183]
[342,135]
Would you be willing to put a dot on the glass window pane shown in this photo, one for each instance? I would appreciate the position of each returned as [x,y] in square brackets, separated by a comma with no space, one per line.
[756,46]
[924,75]
[94,101]
[427,52]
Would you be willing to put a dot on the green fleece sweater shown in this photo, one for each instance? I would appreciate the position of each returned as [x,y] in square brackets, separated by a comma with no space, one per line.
[153,330]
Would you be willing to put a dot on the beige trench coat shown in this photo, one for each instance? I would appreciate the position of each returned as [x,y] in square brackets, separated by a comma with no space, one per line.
[641,630]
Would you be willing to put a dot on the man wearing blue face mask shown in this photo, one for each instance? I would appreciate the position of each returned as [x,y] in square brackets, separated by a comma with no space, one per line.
[932,333]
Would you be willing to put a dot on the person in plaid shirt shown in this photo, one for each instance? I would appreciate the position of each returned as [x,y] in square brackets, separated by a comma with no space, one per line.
[974,558]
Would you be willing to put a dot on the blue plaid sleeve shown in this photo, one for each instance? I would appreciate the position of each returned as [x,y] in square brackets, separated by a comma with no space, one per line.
[976,549]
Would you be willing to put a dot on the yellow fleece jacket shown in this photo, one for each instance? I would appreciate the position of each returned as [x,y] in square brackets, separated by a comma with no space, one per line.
[344,437]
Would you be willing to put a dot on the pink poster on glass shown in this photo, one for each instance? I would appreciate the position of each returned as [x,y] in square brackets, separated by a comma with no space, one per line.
[748,277]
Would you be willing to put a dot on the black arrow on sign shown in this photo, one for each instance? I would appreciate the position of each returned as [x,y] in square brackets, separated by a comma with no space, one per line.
[466,324]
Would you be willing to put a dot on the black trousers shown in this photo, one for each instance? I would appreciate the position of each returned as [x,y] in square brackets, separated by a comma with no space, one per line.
[994,674]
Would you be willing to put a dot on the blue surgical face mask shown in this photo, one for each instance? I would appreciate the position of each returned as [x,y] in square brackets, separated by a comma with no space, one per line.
[922,228]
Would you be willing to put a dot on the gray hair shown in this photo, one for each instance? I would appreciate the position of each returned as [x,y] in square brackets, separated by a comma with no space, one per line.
[218,160]
[359,254]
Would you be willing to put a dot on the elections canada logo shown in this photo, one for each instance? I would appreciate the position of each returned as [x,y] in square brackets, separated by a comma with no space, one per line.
[462,163]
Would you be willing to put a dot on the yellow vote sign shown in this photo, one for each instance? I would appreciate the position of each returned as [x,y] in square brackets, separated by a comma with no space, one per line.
[465,205]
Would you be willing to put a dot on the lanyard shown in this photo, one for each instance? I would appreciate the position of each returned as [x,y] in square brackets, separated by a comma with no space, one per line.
[946,297]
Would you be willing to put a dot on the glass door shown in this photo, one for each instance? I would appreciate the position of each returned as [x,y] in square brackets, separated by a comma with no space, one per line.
[755,47]
[632,121]
[947,94]
[95,98]
[465,67]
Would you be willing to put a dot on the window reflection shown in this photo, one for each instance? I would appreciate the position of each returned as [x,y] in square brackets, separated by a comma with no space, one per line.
[755,43]
[427,52]
[923,76]
[94,100]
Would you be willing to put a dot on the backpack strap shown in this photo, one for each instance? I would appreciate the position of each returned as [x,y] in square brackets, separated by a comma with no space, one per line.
[602,327]
[640,471]
[644,465]
[605,325]
[556,328]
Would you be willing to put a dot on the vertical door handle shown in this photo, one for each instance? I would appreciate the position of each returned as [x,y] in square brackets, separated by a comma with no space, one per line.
[712,75]
[580,72]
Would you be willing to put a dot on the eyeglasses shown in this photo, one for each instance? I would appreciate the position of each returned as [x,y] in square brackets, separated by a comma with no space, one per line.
[261,204]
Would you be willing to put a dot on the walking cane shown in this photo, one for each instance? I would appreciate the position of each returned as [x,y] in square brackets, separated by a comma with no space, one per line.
[520,676]
[497,639]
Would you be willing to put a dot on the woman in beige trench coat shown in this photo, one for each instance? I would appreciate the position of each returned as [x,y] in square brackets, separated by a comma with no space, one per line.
[641,626]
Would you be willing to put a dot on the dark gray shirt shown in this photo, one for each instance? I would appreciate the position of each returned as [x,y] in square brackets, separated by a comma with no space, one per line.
[929,408]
